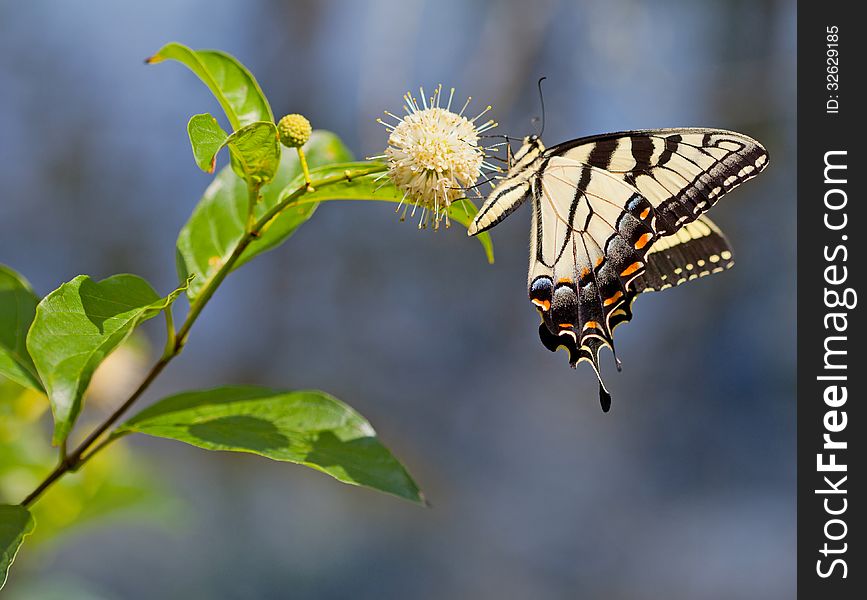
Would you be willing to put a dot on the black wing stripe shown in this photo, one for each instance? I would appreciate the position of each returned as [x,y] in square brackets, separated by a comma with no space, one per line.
[730,159]
[642,150]
[600,155]
[671,144]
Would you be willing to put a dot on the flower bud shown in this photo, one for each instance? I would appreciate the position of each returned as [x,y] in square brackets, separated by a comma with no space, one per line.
[294,130]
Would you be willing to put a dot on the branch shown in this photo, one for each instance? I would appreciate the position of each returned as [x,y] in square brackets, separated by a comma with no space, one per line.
[76,458]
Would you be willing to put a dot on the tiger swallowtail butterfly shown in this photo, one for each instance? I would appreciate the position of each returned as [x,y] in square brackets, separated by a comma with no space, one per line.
[615,215]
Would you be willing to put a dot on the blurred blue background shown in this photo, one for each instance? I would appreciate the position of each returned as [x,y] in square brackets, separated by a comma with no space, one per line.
[685,490]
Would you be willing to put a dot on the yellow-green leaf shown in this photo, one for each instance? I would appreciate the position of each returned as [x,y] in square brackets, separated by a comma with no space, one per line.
[375,187]
[308,427]
[255,151]
[76,326]
[17,307]
[232,84]
[206,138]
[254,148]
[218,221]
[15,524]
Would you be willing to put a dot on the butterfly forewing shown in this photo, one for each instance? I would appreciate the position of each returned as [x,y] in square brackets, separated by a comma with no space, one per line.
[682,172]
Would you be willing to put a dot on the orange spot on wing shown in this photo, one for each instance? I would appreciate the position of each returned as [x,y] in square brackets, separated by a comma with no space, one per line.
[564,280]
[585,272]
[644,213]
[543,304]
[565,325]
[591,325]
[612,299]
[642,241]
[599,260]
[631,269]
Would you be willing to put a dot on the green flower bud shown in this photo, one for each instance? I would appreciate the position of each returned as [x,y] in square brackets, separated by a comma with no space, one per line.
[294,130]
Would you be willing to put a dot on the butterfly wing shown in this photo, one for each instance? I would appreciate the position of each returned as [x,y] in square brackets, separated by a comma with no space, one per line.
[615,215]
[591,231]
[618,214]
[695,250]
[682,172]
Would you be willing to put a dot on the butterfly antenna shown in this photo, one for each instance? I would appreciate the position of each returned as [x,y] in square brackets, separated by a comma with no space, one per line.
[542,104]
[508,138]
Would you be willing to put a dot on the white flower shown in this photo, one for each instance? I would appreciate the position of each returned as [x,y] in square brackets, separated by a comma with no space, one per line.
[434,154]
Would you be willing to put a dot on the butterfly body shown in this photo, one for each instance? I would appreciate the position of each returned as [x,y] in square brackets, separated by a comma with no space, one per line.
[615,215]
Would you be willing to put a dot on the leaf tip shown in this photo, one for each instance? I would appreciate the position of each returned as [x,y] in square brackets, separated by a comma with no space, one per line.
[152,60]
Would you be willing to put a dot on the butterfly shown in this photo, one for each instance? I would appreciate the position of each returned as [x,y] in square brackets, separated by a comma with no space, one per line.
[615,215]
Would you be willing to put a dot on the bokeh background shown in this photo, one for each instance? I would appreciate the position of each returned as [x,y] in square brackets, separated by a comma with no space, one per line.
[685,490]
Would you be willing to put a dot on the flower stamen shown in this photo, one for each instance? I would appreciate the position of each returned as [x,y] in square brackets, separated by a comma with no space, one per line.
[434,155]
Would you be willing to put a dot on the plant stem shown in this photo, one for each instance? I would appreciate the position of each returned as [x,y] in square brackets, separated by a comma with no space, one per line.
[72,461]
[303,160]
[170,331]
[252,200]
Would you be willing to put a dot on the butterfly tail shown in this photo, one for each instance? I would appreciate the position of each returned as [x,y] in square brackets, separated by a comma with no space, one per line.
[588,352]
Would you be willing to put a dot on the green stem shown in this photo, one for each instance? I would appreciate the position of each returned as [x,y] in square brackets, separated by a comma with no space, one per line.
[77,457]
[170,331]
[303,160]
[252,200]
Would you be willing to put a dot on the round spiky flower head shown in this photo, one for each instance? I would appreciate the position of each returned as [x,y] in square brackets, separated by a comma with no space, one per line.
[294,130]
[434,154]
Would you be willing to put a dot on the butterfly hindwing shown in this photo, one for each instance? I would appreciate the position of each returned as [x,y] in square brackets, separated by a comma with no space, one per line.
[698,249]
[585,253]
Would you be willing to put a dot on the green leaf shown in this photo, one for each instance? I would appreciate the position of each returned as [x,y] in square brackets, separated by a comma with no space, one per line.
[255,152]
[218,221]
[375,187]
[206,138]
[15,524]
[77,326]
[309,428]
[17,307]
[231,83]
[255,148]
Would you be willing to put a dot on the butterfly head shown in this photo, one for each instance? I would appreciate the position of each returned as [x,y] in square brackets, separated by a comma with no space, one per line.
[531,147]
